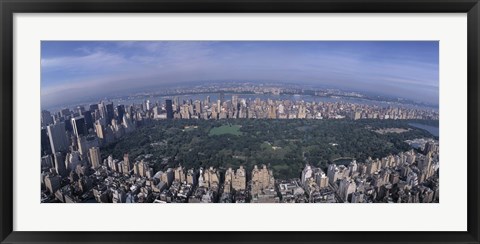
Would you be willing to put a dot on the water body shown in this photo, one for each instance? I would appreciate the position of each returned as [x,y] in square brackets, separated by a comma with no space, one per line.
[432,129]
[264,97]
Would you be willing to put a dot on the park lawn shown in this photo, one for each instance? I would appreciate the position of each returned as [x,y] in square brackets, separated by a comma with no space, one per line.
[226,129]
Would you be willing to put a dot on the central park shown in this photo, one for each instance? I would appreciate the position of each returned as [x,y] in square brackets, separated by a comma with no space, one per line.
[284,145]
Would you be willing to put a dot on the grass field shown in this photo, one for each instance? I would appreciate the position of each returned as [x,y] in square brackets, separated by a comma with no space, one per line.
[225,129]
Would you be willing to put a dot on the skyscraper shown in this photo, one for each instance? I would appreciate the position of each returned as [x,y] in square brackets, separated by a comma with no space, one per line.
[65,112]
[47,162]
[180,174]
[68,123]
[148,105]
[234,101]
[307,174]
[93,107]
[95,158]
[101,109]
[192,177]
[47,118]
[79,127]
[80,110]
[272,113]
[52,182]
[45,143]
[120,113]
[58,138]
[126,167]
[60,164]
[88,120]
[99,130]
[110,113]
[240,180]
[198,107]
[169,108]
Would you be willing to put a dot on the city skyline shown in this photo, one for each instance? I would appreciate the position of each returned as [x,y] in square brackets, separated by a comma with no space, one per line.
[177,150]
[239,122]
[72,71]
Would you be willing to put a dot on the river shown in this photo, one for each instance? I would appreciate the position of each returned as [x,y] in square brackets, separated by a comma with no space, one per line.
[432,129]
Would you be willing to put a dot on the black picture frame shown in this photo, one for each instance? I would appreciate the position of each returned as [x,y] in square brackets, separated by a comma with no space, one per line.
[9,7]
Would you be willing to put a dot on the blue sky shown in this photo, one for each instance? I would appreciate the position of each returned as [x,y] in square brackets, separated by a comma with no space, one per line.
[73,71]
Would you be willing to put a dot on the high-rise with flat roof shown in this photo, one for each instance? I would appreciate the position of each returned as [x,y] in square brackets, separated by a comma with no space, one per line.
[88,120]
[52,182]
[79,127]
[110,113]
[179,174]
[240,179]
[95,157]
[60,164]
[58,138]
[47,118]
[126,167]
[169,108]
[45,142]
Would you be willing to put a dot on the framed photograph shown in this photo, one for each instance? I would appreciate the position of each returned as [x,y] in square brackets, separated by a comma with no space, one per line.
[254,122]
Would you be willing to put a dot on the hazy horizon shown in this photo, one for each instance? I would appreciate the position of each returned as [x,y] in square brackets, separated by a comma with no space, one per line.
[76,70]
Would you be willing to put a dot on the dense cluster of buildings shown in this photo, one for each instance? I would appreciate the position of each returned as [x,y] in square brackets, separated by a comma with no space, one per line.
[409,177]
[73,169]
[277,109]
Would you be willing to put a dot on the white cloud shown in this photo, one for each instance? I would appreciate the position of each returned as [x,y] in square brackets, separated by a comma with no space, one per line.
[92,61]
